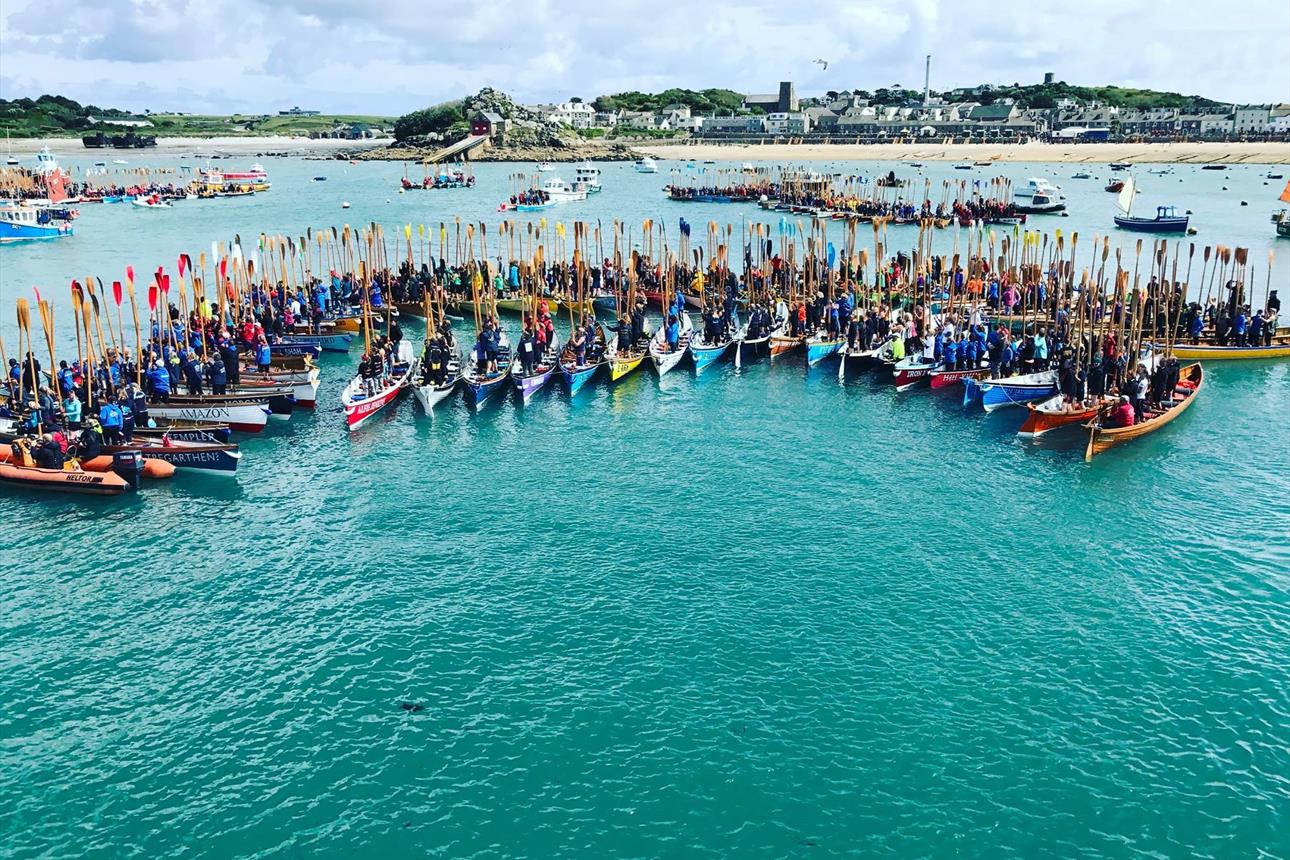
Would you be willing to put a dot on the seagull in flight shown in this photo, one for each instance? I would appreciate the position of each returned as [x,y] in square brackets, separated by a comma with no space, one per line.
[824,64]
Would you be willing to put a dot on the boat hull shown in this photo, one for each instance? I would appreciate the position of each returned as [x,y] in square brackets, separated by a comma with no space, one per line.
[1230,353]
[817,351]
[244,418]
[1044,417]
[947,378]
[63,480]
[705,356]
[1152,225]
[621,365]
[207,458]
[1191,379]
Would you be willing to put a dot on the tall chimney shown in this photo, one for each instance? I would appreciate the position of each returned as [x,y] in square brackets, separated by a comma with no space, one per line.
[927,82]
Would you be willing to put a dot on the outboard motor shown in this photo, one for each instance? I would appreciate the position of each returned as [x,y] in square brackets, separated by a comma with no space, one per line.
[128,465]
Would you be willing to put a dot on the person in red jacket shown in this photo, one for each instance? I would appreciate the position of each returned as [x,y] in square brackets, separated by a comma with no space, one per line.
[1123,415]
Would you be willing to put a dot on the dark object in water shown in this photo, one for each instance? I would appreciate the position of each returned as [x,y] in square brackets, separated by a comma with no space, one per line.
[412,707]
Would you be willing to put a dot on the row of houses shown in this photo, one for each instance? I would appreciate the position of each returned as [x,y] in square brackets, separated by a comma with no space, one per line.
[849,115]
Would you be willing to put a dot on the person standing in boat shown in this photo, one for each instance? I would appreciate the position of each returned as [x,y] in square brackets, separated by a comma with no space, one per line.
[528,349]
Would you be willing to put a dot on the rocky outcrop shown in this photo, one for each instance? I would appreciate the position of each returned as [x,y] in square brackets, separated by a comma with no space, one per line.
[528,138]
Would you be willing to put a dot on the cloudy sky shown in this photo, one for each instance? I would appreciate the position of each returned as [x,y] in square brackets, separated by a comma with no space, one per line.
[391,56]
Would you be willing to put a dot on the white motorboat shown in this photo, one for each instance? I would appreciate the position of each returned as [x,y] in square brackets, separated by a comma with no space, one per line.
[646,165]
[545,167]
[587,175]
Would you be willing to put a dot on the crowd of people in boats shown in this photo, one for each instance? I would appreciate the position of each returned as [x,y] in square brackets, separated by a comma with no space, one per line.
[741,191]
[443,180]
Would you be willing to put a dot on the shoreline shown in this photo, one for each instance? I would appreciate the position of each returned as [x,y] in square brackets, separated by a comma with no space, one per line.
[267,145]
[1069,153]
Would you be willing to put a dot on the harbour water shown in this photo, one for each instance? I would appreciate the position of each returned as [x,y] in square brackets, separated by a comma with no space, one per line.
[755,613]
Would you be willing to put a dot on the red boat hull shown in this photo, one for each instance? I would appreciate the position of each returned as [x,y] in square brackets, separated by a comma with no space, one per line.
[946,378]
[1038,423]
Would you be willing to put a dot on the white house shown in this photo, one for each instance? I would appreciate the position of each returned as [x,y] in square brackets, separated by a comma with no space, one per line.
[787,123]
[573,114]
[1251,119]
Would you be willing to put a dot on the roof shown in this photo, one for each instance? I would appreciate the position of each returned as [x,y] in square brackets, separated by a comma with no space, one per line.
[991,112]
[491,116]
[762,98]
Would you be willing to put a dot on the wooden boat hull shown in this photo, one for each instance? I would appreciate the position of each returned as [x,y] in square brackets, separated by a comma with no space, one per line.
[1018,390]
[411,309]
[1046,416]
[908,373]
[326,342]
[780,344]
[577,377]
[621,365]
[818,350]
[1190,378]
[312,350]
[947,378]
[1230,353]
[206,457]
[359,408]
[1152,225]
[250,417]
[705,356]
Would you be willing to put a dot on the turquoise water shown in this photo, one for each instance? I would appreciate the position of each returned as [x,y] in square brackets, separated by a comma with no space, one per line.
[757,613]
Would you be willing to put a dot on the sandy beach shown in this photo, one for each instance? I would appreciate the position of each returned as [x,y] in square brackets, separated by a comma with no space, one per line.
[206,145]
[1095,153]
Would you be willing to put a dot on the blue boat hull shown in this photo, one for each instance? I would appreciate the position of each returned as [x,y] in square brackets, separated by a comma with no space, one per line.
[10,232]
[325,342]
[312,350]
[574,380]
[479,393]
[1152,225]
[704,356]
[817,352]
[995,395]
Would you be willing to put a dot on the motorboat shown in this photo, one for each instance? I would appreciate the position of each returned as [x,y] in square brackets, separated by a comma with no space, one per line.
[587,175]
[646,165]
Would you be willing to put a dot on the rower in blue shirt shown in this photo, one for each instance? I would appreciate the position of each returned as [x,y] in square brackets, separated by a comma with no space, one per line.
[950,354]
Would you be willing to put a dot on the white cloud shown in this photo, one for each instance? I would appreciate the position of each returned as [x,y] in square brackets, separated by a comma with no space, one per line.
[390,56]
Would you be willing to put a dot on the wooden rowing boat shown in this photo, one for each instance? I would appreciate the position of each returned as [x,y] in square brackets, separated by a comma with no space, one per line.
[1051,414]
[663,360]
[479,384]
[1206,352]
[1190,380]
[577,375]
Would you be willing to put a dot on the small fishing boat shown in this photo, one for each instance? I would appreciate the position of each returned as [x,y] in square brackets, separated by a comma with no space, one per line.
[480,383]
[1038,196]
[22,223]
[1213,167]
[913,369]
[545,167]
[1165,221]
[1115,185]
[1081,174]
[646,165]
[1120,165]
[1014,391]
[962,167]
[662,359]
[1190,381]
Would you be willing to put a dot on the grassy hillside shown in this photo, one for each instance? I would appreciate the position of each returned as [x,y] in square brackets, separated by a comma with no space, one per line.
[56,116]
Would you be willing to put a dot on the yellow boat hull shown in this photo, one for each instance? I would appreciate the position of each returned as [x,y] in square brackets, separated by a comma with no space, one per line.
[621,365]
[1230,353]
